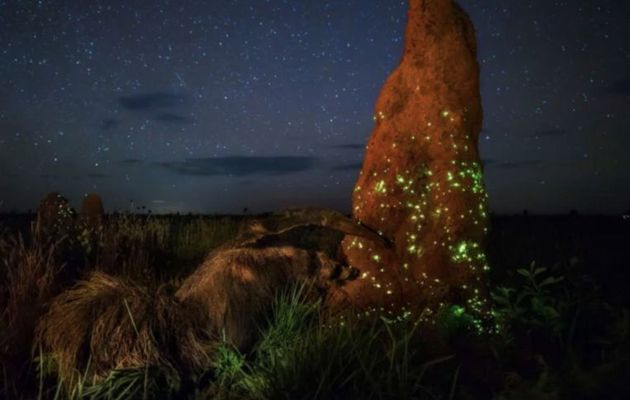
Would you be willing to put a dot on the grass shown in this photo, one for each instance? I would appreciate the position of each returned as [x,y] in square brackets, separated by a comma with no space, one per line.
[301,356]
[145,246]
[27,278]
[34,268]
[560,333]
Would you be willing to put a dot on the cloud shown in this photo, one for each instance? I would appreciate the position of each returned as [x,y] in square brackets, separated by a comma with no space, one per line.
[242,166]
[173,118]
[619,88]
[151,101]
[347,167]
[350,146]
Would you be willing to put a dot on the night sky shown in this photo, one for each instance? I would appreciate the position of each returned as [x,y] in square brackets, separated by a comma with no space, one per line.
[213,106]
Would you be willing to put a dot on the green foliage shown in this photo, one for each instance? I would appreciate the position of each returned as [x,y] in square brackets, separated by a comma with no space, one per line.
[535,304]
[577,344]
[136,383]
[455,321]
[228,366]
[302,356]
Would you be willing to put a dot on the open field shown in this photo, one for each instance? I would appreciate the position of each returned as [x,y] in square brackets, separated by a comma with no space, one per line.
[562,327]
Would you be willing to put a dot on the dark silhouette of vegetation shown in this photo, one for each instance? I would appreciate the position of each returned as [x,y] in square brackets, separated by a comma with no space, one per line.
[562,326]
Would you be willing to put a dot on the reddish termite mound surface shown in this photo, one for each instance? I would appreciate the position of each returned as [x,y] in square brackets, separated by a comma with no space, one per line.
[421,184]
[92,210]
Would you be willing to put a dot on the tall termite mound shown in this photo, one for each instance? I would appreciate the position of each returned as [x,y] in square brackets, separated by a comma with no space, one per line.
[421,183]
[54,216]
[92,210]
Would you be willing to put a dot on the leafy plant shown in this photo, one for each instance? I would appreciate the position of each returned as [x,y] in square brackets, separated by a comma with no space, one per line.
[535,304]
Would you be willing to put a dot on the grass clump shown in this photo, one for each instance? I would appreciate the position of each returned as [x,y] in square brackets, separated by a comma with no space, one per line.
[28,280]
[132,384]
[305,355]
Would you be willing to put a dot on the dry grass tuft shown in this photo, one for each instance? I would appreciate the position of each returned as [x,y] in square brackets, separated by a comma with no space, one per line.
[105,323]
[28,279]
[30,273]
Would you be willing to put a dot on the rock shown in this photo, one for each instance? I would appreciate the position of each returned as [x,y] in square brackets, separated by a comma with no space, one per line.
[92,211]
[54,215]
[421,184]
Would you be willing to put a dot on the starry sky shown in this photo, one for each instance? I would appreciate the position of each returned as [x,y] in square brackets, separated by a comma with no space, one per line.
[215,106]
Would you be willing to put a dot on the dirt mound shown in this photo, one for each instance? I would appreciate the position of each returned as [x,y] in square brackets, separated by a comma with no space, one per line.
[92,211]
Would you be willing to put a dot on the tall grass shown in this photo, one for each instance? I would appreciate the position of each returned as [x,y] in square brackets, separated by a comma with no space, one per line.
[304,355]
[159,248]
[28,275]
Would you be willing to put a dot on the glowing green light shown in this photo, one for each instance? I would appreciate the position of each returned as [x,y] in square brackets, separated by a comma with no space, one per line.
[425,196]
[380,187]
[467,251]
[458,311]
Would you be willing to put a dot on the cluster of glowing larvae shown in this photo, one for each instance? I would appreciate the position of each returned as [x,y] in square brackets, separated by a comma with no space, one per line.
[468,177]
[467,252]
[465,176]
